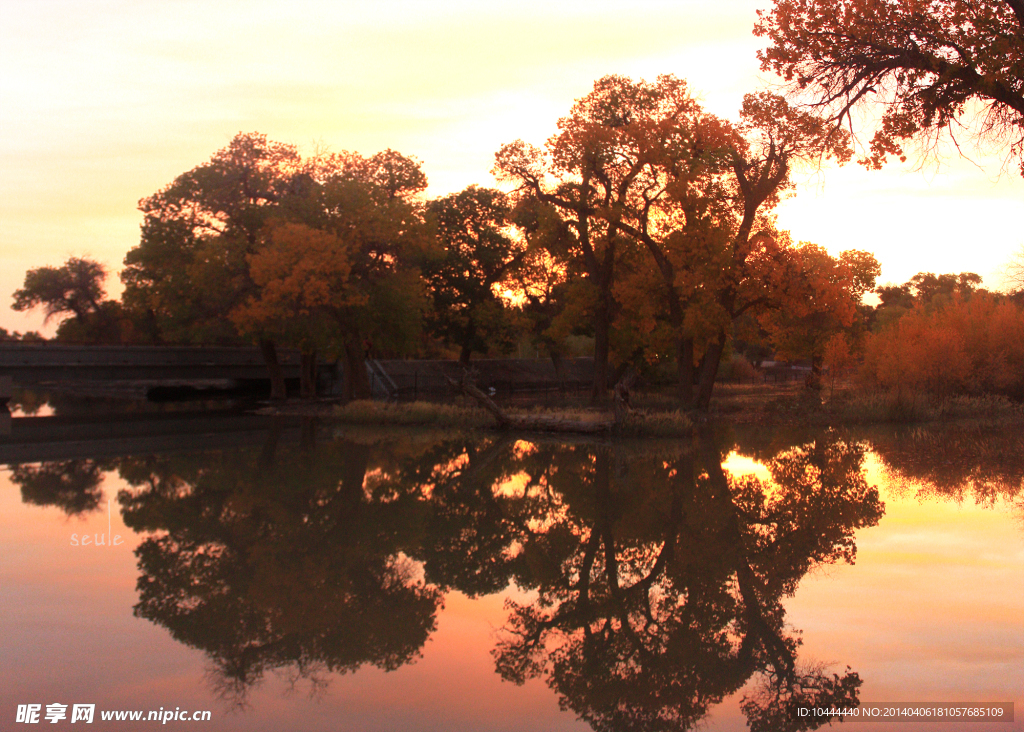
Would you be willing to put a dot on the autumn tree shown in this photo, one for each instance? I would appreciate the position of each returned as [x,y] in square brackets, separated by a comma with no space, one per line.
[335,268]
[928,65]
[774,137]
[819,300]
[74,289]
[640,167]
[662,157]
[337,224]
[622,169]
[191,267]
[476,253]
[967,346]
[580,178]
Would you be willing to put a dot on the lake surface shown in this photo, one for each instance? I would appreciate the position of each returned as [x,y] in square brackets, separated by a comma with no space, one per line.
[295,575]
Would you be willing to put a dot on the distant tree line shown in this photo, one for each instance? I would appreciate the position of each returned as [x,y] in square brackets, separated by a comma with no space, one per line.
[641,231]
[644,229]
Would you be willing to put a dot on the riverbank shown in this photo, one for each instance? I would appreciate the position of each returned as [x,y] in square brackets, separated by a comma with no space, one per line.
[656,414]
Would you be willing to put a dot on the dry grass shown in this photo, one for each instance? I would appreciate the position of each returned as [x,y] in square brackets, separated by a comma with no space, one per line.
[643,423]
[411,413]
[659,415]
[640,423]
[893,407]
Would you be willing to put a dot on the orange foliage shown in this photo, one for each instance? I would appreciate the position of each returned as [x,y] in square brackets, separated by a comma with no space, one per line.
[301,272]
[816,297]
[968,347]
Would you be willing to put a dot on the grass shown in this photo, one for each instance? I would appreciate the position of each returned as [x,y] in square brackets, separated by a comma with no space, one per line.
[658,414]
[430,414]
[902,408]
[643,423]
[640,423]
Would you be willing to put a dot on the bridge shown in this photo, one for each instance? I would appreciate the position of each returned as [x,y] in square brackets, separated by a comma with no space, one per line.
[29,364]
[32,364]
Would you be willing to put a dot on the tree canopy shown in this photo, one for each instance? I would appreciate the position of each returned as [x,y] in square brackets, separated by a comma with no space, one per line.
[926,63]
[643,178]
[261,244]
[476,253]
[75,289]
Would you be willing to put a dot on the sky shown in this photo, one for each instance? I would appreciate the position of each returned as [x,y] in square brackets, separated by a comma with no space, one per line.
[104,103]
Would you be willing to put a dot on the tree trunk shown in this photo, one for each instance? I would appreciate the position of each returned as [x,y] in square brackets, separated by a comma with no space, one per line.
[813,380]
[464,355]
[601,327]
[277,387]
[684,356]
[556,361]
[307,375]
[355,382]
[709,370]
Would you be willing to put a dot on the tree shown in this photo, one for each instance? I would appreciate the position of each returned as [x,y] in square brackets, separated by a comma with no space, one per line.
[191,265]
[965,345]
[75,289]
[203,234]
[926,290]
[819,301]
[775,137]
[582,178]
[638,166]
[334,268]
[926,63]
[476,254]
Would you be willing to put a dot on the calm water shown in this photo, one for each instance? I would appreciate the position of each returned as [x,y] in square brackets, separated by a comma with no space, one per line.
[301,576]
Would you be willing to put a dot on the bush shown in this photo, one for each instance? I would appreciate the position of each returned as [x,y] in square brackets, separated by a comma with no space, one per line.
[973,346]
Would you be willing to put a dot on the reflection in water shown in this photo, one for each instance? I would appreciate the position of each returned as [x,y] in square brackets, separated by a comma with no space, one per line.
[658,577]
[652,579]
[73,486]
[278,561]
[954,463]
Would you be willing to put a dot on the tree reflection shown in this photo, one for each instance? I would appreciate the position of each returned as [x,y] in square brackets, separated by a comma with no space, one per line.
[658,577]
[73,486]
[652,581]
[956,463]
[281,560]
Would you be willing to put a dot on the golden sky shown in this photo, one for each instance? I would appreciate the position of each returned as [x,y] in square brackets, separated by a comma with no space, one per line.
[103,103]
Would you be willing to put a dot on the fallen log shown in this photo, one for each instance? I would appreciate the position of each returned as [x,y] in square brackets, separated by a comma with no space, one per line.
[527,423]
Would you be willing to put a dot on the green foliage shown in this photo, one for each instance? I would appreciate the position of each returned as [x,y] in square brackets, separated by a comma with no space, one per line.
[75,289]
[477,254]
[191,265]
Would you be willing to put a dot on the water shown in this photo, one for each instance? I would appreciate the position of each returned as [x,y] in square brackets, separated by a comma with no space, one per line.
[298,576]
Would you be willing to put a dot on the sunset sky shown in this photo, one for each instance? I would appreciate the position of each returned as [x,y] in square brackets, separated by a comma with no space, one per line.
[103,103]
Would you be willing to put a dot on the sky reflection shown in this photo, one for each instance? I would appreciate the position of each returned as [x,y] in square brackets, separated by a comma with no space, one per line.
[930,611]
